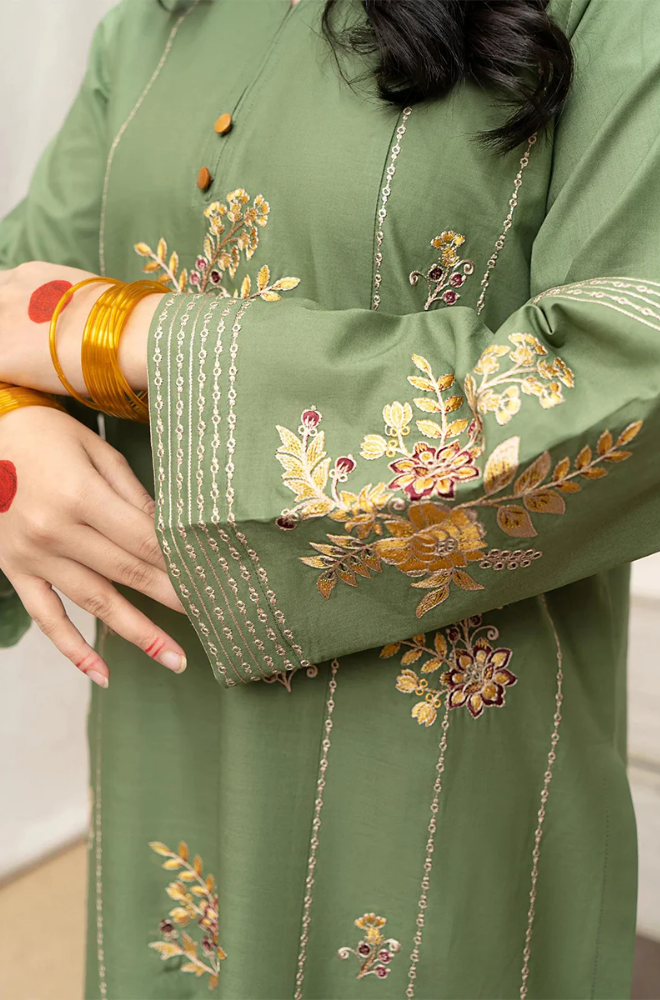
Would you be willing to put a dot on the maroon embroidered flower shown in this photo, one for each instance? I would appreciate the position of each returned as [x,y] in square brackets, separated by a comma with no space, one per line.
[381,971]
[479,677]
[432,470]
[215,277]
[457,280]
[345,464]
[194,278]
[384,956]
[310,419]
[285,522]
[449,297]
[166,927]
[364,949]
[436,272]
[201,263]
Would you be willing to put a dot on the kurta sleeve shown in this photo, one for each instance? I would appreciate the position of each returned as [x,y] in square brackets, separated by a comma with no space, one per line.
[331,481]
[58,221]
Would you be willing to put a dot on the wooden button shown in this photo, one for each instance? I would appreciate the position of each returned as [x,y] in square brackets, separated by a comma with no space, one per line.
[204,179]
[224,124]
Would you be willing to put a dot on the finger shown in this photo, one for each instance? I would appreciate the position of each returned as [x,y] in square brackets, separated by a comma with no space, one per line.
[123,523]
[97,596]
[48,613]
[91,548]
[116,471]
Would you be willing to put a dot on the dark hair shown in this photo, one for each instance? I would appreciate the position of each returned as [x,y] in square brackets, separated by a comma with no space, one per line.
[425,47]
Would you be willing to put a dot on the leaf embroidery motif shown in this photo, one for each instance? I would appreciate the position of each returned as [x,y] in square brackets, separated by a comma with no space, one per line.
[233,234]
[196,903]
[413,521]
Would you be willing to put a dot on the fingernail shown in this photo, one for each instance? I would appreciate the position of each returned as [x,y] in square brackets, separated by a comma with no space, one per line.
[98,678]
[173,661]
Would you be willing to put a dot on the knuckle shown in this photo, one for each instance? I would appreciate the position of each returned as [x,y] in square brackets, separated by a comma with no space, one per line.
[48,624]
[39,527]
[149,549]
[97,605]
[136,575]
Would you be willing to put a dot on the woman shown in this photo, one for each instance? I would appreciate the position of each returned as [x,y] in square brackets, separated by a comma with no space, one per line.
[418,420]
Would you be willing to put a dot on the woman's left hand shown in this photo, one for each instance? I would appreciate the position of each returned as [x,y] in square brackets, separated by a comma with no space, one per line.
[28,296]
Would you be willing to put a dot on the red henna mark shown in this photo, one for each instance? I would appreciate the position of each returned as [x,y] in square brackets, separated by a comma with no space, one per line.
[85,665]
[8,485]
[44,300]
[153,652]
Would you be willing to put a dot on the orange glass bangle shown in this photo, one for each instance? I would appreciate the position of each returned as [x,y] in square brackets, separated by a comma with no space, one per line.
[15,397]
[106,384]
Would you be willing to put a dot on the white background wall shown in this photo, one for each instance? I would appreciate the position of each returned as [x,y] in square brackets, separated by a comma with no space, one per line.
[43,775]
[43,698]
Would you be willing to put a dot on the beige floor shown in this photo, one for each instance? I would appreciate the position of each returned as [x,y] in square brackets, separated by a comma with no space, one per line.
[42,932]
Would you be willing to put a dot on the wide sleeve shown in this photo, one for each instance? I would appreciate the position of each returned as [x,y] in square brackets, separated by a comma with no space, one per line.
[58,221]
[331,481]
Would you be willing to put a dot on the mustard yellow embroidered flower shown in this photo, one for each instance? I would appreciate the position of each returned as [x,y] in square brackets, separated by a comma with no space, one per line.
[527,347]
[431,538]
[450,273]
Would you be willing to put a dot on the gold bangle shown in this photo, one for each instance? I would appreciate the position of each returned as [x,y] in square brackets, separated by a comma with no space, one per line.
[52,337]
[102,372]
[106,384]
[15,397]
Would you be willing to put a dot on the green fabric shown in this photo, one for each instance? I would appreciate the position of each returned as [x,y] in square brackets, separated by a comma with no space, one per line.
[374,780]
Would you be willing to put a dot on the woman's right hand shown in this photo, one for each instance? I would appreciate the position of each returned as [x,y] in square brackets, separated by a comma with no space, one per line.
[73,516]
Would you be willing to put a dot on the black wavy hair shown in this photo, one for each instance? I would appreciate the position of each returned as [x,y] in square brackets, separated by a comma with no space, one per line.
[425,47]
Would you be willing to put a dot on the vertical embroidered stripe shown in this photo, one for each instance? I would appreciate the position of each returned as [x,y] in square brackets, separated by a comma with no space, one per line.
[120,133]
[428,861]
[547,778]
[182,398]
[230,497]
[382,211]
[198,444]
[98,837]
[316,826]
[158,445]
[508,222]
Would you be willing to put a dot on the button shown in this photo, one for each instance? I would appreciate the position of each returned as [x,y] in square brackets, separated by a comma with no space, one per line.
[204,179]
[224,124]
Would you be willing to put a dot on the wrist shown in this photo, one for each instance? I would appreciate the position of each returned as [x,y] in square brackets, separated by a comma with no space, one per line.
[133,345]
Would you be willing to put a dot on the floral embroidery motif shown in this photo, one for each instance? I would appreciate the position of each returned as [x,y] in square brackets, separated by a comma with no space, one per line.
[444,277]
[412,522]
[196,900]
[232,234]
[374,952]
[475,674]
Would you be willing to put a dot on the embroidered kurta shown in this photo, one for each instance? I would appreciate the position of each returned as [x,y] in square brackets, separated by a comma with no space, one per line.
[404,402]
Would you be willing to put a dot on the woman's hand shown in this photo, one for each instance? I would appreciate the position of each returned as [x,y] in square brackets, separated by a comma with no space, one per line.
[73,517]
[28,297]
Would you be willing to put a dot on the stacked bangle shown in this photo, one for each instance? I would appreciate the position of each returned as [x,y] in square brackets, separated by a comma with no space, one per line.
[15,397]
[107,387]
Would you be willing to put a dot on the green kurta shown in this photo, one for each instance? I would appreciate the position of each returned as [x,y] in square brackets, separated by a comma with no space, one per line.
[418,440]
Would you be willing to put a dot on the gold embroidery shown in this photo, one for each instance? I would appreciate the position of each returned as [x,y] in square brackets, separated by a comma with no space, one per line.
[316,827]
[196,900]
[374,952]
[545,793]
[508,222]
[382,211]
[431,542]
[232,234]
[475,674]
[444,278]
